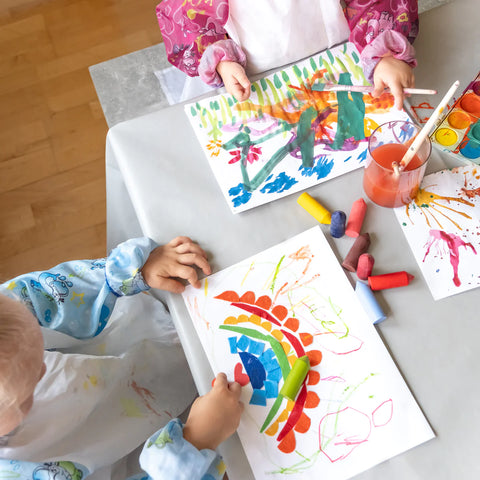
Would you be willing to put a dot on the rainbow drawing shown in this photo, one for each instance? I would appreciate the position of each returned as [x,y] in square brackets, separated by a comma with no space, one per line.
[255,318]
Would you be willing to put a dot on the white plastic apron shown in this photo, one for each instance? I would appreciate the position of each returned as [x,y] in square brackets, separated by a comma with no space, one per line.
[274,33]
[98,404]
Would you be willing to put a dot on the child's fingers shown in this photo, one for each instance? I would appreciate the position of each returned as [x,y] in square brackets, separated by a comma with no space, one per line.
[179,240]
[397,91]
[220,381]
[378,90]
[195,259]
[240,93]
[187,273]
[168,284]
[235,388]
[190,247]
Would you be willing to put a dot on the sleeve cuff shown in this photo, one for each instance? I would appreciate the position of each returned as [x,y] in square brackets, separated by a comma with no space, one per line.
[387,43]
[123,265]
[223,50]
[168,455]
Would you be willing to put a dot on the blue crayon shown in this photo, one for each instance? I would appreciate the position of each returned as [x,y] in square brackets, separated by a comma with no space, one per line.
[337,225]
[369,302]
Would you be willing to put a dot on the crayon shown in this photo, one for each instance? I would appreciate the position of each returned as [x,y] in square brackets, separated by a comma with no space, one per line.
[365,266]
[389,280]
[295,378]
[369,302]
[337,225]
[361,244]
[319,212]
[355,219]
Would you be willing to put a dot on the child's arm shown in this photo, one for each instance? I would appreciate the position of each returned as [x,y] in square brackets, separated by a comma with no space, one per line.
[383,32]
[189,455]
[197,43]
[77,297]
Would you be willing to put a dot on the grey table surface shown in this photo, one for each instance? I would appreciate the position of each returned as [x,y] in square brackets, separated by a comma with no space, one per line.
[434,344]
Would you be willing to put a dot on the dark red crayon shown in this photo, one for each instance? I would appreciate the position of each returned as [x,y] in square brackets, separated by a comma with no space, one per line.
[361,244]
[389,280]
[365,266]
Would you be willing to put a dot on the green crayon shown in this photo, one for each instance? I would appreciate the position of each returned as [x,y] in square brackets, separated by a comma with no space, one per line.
[295,378]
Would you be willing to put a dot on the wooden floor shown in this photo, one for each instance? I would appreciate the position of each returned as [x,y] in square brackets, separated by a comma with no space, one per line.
[52,129]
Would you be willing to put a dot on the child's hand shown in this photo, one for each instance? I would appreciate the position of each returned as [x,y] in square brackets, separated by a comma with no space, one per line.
[215,416]
[173,260]
[394,74]
[235,79]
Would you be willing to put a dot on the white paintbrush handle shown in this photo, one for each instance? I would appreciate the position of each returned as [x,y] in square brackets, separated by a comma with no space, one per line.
[424,132]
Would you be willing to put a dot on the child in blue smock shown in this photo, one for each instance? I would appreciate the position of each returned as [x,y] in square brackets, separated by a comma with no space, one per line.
[65,416]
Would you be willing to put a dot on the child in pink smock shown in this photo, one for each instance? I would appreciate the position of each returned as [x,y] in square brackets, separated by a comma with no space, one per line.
[223,41]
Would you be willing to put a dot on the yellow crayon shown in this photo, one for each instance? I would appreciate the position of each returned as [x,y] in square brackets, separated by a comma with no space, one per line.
[319,212]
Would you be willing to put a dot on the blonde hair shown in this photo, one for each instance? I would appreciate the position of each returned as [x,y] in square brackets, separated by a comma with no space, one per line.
[15,338]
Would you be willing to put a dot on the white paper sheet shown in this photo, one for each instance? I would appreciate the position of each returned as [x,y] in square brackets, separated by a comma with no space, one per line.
[290,300]
[257,148]
[442,226]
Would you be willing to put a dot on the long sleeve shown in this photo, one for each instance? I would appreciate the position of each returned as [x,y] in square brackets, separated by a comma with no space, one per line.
[77,297]
[187,30]
[43,470]
[380,28]
[167,455]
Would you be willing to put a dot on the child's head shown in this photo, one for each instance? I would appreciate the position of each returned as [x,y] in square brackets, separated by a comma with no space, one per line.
[21,362]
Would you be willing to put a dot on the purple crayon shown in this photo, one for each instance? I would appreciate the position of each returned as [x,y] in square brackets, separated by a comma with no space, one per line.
[361,244]
[337,224]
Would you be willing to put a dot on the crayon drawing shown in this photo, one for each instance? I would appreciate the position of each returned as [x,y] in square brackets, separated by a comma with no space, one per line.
[442,226]
[256,318]
[290,135]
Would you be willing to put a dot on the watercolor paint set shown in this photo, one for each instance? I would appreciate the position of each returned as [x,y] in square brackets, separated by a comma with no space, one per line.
[459,131]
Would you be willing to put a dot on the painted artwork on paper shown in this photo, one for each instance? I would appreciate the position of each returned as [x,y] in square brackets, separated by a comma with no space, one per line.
[442,226]
[290,135]
[256,318]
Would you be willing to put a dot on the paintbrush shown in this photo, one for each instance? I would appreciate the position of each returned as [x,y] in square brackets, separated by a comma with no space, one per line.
[424,132]
[335,87]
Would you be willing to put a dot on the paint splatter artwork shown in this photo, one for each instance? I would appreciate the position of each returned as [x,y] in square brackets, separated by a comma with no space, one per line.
[442,226]
[256,318]
[290,135]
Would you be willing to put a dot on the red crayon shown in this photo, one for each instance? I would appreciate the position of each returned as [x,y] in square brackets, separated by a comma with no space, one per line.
[365,266]
[389,280]
[355,219]
[361,244]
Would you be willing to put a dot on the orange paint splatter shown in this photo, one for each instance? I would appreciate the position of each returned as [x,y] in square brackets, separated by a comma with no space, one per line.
[280,311]
[248,297]
[313,377]
[306,338]
[229,296]
[471,193]
[146,395]
[427,202]
[264,302]
[315,357]
[303,424]
[292,324]
[288,444]
[312,400]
